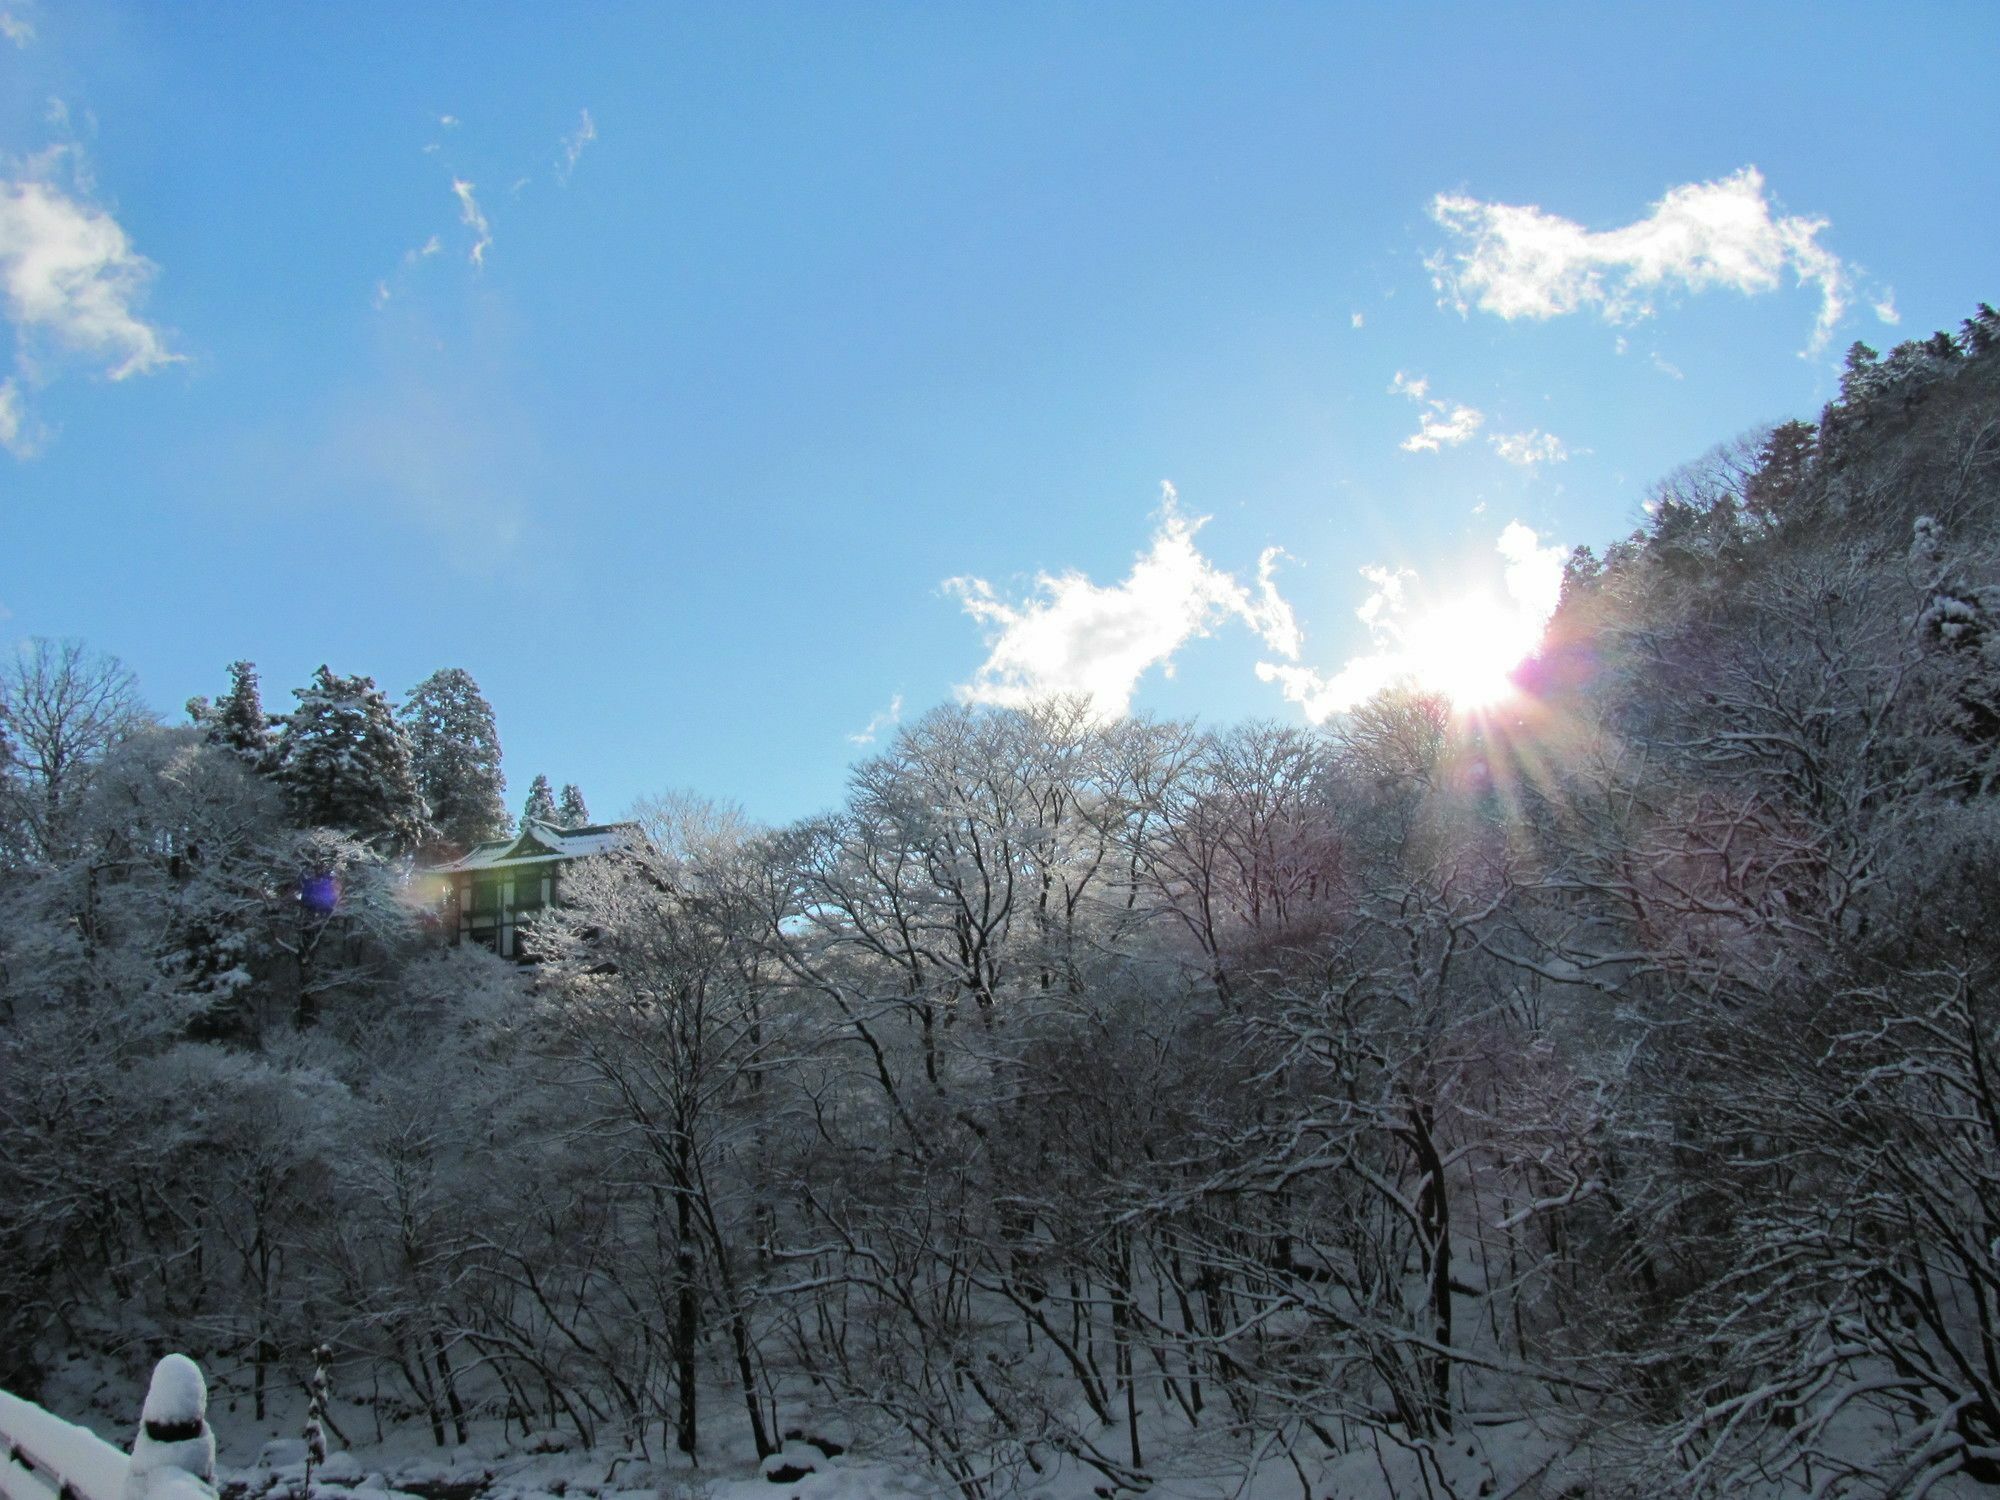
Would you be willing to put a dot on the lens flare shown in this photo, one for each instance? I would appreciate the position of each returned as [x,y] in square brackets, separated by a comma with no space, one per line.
[319,894]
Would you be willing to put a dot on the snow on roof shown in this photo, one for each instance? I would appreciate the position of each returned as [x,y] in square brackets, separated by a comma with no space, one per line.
[178,1393]
[540,843]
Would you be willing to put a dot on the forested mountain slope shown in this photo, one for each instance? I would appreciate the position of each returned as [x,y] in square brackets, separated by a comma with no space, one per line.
[1590,1097]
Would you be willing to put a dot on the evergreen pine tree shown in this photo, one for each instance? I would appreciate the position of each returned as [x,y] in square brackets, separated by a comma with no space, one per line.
[541,806]
[1982,331]
[345,764]
[572,812]
[455,752]
[1861,377]
[238,721]
[1782,464]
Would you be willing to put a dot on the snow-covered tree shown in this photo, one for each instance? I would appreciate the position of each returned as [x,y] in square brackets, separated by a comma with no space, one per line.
[572,812]
[62,707]
[455,752]
[654,1003]
[345,764]
[541,806]
[1861,375]
[182,830]
[238,720]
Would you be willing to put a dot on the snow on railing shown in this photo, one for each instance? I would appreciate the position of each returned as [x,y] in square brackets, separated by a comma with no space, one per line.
[50,1459]
[42,1457]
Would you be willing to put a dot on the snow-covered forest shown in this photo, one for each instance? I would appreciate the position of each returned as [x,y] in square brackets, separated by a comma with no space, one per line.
[1597,1096]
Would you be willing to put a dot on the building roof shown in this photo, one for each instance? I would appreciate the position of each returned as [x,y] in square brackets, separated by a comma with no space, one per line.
[543,843]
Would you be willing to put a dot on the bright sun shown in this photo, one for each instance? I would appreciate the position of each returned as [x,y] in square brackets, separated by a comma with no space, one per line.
[1468,649]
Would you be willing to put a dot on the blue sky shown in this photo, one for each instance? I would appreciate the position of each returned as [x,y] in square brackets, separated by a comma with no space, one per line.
[706,380]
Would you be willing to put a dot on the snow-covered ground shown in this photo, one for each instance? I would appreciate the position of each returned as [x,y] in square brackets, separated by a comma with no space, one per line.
[265,1460]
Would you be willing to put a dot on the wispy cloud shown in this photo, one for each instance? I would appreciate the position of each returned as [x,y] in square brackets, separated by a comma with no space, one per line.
[1516,261]
[1885,310]
[1444,424]
[1527,449]
[16,30]
[385,288]
[575,141]
[887,718]
[434,444]
[13,436]
[71,284]
[1429,645]
[448,122]
[1076,636]
[1356,320]
[470,216]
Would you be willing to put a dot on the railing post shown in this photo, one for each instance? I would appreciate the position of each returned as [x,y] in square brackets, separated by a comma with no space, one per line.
[173,1457]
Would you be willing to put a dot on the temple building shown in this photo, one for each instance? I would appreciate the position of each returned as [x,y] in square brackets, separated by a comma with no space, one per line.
[502,883]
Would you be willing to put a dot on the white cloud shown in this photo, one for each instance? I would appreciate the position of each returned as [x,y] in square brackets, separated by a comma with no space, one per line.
[1534,572]
[70,288]
[1444,424]
[69,273]
[1386,600]
[16,30]
[1468,637]
[1076,636]
[448,122]
[470,216]
[1885,310]
[1527,449]
[1357,320]
[1516,261]
[381,297]
[1441,429]
[887,718]
[1667,367]
[1269,614]
[575,141]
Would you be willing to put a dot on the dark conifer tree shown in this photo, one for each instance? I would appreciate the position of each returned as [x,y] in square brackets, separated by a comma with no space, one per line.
[455,752]
[1982,331]
[541,806]
[1861,377]
[1782,464]
[238,721]
[572,811]
[344,763]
